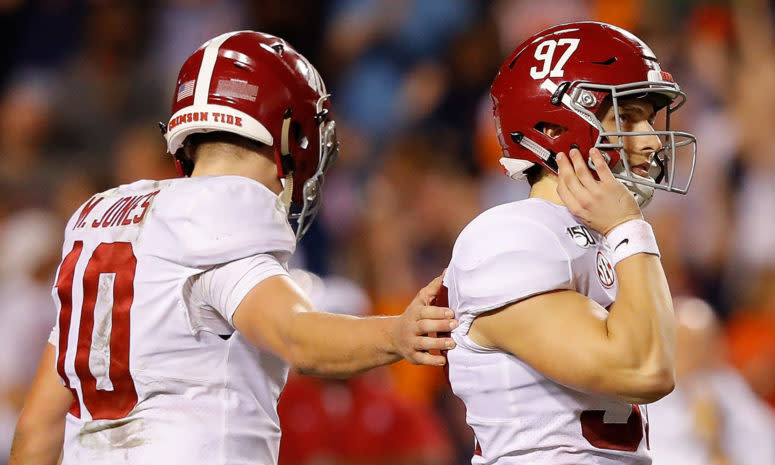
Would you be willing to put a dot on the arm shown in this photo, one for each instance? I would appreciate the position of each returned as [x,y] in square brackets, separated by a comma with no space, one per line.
[627,352]
[277,316]
[40,431]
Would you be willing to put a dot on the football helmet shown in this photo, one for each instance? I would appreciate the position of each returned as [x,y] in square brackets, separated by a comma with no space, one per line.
[257,86]
[562,76]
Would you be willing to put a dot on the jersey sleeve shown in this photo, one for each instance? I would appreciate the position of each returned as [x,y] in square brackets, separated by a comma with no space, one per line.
[215,294]
[501,261]
[220,219]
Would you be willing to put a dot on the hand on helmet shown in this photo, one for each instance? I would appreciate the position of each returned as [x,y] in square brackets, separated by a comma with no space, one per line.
[600,204]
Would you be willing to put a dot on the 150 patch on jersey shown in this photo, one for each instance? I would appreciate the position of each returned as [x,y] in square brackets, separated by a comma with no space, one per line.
[581,236]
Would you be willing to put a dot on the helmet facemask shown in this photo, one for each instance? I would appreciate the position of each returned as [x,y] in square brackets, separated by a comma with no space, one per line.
[304,214]
[664,172]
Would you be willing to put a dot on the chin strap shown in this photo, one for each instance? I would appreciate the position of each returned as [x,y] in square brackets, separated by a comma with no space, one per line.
[285,196]
[287,163]
[642,193]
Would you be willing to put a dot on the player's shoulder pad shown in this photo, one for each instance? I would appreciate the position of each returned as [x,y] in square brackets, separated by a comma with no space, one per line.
[210,220]
[506,254]
[507,228]
[99,201]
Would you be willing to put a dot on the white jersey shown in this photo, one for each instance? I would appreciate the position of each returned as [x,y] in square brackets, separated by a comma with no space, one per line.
[152,273]
[519,416]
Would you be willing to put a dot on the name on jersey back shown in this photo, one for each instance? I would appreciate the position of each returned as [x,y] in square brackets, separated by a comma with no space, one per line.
[123,212]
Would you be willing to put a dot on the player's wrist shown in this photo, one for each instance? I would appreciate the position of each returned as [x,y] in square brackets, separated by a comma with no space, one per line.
[621,220]
[631,237]
[391,336]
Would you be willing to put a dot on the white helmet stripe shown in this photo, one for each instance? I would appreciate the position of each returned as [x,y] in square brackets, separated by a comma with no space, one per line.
[208,64]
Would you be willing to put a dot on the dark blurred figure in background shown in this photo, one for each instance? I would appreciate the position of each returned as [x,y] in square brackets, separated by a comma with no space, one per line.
[751,338]
[25,124]
[407,233]
[108,84]
[713,417]
[28,259]
[359,421]
[140,155]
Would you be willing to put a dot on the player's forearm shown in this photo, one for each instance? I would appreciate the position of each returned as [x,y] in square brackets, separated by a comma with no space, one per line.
[641,327]
[276,316]
[322,344]
[40,430]
[34,444]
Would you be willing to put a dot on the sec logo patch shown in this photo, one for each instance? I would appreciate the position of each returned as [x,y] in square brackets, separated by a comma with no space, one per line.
[605,272]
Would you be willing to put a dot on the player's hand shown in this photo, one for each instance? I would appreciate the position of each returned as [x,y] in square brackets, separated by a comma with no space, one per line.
[600,204]
[412,332]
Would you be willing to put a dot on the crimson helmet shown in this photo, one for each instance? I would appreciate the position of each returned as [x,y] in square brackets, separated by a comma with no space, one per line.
[561,76]
[257,86]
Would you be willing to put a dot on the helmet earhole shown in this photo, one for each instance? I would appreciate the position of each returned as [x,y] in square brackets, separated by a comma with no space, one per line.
[298,135]
[287,163]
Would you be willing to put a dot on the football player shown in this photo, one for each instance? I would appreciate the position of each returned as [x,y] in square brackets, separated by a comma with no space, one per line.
[566,320]
[177,320]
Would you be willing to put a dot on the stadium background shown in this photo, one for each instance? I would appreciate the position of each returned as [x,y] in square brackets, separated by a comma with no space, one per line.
[83,84]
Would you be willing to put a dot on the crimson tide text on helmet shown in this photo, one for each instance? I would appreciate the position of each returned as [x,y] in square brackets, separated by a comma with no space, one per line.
[561,76]
[257,86]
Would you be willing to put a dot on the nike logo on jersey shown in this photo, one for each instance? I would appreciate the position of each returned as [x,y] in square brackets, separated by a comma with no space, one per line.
[625,241]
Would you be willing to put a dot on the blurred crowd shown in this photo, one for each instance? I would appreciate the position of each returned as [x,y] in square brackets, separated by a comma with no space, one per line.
[85,81]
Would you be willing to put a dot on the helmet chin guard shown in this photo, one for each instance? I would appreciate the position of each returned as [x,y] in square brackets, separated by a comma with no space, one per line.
[312,191]
[643,193]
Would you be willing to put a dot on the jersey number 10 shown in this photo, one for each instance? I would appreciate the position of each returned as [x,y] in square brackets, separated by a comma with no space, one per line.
[116,258]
